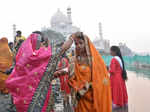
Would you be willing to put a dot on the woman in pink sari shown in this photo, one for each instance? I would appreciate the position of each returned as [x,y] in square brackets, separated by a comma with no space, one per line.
[31,63]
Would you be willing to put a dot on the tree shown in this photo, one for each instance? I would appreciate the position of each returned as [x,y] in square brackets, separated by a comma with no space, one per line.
[53,36]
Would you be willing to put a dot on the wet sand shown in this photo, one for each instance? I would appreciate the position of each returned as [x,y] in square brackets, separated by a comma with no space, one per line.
[138,92]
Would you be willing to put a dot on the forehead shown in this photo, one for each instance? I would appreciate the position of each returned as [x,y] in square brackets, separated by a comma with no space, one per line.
[78,40]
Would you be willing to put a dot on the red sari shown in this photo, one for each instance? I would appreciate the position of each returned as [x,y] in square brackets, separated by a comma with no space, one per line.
[64,63]
[118,86]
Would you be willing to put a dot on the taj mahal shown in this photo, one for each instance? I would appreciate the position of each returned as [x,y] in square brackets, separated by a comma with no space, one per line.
[62,23]
[61,27]
[100,43]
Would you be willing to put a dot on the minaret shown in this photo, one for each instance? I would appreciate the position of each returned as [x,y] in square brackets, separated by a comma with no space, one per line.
[69,15]
[100,31]
[14,31]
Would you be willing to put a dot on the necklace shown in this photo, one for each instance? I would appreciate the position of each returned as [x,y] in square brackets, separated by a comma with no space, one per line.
[83,60]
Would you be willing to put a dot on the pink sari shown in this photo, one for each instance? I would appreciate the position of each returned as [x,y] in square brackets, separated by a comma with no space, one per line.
[30,67]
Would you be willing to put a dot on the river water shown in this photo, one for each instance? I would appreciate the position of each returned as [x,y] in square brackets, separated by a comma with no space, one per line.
[138,86]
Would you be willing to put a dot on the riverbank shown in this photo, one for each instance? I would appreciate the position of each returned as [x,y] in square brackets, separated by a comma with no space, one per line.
[141,66]
[138,92]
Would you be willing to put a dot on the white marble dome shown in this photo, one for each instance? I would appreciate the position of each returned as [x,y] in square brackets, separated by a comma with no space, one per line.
[63,23]
[59,18]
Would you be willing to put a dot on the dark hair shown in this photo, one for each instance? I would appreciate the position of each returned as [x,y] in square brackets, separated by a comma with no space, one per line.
[46,41]
[40,33]
[10,43]
[37,32]
[72,52]
[79,35]
[18,32]
[64,55]
[116,49]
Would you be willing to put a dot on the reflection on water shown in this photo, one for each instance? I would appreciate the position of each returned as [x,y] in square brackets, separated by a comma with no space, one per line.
[138,87]
[124,109]
[141,72]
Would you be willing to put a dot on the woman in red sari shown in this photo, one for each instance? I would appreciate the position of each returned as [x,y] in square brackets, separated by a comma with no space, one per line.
[64,63]
[118,77]
[64,81]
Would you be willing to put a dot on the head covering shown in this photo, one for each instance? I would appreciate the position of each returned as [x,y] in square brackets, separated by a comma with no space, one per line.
[100,81]
[29,69]
[6,58]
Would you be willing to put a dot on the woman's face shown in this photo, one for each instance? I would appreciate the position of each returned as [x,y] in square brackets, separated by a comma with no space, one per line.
[112,53]
[41,44]
[44,44]
[80,45]
[11,45]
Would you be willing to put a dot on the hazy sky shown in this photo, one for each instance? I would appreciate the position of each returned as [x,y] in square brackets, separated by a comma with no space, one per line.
[122,20]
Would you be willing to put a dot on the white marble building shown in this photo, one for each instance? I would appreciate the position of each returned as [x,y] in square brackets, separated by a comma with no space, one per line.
[125,50]
[100,43]
[63,23]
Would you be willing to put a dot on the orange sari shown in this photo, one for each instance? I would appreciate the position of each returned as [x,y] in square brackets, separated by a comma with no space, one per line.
[98,98]
[5,63]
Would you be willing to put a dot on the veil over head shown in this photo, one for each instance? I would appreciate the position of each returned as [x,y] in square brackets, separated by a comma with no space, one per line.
[29,69]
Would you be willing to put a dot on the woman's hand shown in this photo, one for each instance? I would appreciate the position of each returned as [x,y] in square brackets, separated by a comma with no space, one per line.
[68,43]
[59,73]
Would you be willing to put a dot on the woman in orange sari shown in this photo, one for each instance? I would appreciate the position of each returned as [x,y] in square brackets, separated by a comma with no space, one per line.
[5,62]
[90,79]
